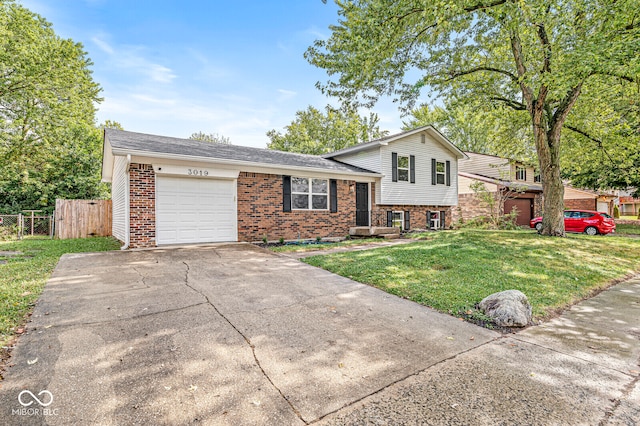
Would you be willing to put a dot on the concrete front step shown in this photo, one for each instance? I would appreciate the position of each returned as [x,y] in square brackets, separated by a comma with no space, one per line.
[374,231]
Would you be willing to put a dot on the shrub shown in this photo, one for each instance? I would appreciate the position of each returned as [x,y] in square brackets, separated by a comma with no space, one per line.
[281,240]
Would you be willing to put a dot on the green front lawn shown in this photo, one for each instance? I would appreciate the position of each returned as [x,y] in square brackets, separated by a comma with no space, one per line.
[452,271]
[289,248]
[627,229]
[23,276]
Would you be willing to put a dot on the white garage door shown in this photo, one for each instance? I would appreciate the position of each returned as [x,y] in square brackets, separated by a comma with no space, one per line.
[191,210]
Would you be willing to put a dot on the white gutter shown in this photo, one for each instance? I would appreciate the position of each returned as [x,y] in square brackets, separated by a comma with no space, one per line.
[127,215]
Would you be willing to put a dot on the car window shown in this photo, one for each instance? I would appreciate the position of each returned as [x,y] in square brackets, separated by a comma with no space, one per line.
[586,215]
[567,214]
[575,214]
[605,215]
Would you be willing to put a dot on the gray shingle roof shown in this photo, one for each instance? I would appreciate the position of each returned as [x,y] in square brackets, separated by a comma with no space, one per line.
[144,143]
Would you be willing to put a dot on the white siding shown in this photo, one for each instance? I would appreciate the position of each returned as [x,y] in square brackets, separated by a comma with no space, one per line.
[486,165]
[119,188]
[369,160]
[464,185]
[422,192]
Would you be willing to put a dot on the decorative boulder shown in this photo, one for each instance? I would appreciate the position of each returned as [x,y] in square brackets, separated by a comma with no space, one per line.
[508,308]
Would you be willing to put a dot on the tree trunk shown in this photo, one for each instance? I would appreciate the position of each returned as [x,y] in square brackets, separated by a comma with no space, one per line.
[548,147]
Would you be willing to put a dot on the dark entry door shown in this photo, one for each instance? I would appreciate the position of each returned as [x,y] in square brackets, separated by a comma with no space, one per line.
[362,204]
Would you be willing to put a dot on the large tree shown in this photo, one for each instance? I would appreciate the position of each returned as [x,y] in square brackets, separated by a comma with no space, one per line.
[316,132]
[536,56]
[48,145]
[496,131]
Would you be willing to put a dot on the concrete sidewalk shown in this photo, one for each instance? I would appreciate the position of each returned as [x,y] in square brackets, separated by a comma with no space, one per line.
[233,334]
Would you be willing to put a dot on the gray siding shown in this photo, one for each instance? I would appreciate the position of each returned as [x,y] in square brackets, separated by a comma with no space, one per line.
[369,160]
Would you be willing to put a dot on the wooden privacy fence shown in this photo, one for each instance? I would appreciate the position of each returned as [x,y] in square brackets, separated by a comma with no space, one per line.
[82,218]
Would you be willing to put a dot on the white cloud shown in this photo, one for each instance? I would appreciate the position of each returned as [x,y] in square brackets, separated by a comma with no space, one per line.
[286,94]
[103,45]
[132,59]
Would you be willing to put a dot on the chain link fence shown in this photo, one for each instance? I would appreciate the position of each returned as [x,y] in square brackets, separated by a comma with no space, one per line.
[31,224]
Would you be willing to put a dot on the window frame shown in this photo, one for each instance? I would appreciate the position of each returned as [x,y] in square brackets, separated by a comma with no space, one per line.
[408,168]
[310,193]
[394,220]
[443,173]
[521,170]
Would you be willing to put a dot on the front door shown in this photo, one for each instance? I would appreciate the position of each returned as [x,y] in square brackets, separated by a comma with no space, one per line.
[362,204]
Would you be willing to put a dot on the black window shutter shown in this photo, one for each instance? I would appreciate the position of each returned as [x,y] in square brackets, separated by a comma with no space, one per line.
[428,219]
[525,174]
[407,220]
[389,218]
[286,193]
[333,193]
[433,171]
[448,172]
[412,168]
[442,219]
[394,166]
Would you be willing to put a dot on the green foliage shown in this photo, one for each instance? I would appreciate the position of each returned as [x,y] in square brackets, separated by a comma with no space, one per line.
[483,129]
[616,211]
[454,270]
[210,137]
[48,144]
[537,57]
[316,132]
[281,240]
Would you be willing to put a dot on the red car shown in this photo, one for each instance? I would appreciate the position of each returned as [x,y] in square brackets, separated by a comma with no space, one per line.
[588,221]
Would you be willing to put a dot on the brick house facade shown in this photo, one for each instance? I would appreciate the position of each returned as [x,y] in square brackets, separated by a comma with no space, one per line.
[177,191]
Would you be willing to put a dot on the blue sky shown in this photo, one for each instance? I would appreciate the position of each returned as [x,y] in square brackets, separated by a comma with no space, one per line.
[177,67]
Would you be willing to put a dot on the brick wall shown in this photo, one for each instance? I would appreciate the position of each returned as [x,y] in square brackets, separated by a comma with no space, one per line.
[581,204]
[470,206]
[142,206]
[260,211]
[417,214]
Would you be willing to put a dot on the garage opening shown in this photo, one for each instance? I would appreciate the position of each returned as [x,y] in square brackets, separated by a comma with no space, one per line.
[195,210]
[525,210]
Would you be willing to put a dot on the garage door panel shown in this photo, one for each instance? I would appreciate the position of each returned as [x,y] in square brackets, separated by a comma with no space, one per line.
[195,210]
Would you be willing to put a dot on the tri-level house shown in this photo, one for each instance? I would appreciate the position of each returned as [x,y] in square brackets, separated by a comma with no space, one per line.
[524,185]
[498,174]
[174,191]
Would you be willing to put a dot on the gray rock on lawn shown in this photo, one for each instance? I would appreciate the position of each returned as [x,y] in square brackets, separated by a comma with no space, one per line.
[509,308]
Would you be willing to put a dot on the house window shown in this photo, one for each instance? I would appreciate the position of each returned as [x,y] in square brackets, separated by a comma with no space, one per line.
[537,178]
[521,173]
[440,172]
[403,168]
[309,194]
[397,220]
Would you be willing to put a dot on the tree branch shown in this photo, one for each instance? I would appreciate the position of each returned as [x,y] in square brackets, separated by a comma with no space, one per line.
[457,74]
[591,138]
[518,106]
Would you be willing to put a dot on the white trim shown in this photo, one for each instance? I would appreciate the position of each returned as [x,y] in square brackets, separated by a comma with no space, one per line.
[127,208]
[408,168]
[190,171]
[393,213]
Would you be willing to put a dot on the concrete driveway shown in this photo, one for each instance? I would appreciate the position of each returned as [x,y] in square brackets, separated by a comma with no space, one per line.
[232,334]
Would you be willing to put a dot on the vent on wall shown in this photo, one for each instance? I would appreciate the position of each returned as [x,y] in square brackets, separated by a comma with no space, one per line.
[422,138]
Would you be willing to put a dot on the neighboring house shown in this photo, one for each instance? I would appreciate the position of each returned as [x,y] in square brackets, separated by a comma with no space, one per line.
[586,199]
[174,191]
[628,205]
[498,174]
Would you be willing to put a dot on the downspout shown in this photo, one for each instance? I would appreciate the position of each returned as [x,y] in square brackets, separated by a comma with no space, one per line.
[127,235]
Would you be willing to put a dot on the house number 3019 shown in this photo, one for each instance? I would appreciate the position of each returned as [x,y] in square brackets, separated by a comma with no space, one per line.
[197,172]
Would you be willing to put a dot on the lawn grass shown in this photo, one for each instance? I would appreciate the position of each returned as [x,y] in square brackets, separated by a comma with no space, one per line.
[627,229]
[288,248]
[452,271]
[23,276]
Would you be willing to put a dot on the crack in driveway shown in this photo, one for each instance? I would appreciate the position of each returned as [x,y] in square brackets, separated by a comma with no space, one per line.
[246,339]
